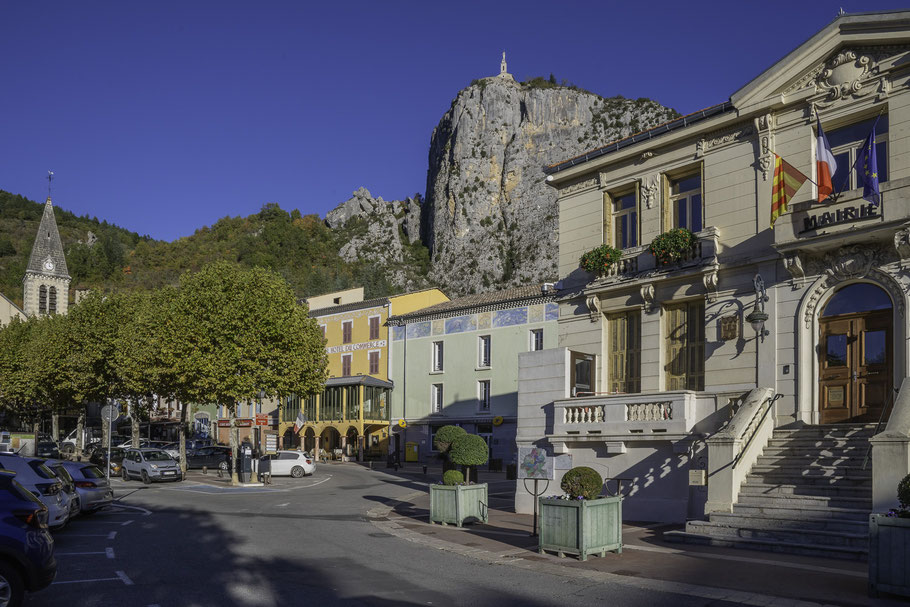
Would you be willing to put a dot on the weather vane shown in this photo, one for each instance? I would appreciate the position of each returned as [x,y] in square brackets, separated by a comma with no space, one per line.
[50,177]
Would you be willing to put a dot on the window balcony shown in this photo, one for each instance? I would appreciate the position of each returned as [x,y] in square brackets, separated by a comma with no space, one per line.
[617,418]
[638,262]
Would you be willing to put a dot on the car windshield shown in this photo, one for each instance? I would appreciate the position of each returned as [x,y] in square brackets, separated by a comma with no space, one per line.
[92,472]
[157,456]
[62,473]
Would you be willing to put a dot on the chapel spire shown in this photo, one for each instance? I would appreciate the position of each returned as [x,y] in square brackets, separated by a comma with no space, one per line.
[46,281]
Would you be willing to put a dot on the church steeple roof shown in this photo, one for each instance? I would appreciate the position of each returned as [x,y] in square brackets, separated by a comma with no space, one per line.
[47,253]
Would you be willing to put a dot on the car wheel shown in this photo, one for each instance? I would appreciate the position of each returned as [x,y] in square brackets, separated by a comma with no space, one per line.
[297,472]
[125,474]
[223,466]
[12,589]
[68,449]
[145,478]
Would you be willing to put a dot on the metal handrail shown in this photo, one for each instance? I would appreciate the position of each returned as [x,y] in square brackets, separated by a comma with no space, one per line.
[878,426]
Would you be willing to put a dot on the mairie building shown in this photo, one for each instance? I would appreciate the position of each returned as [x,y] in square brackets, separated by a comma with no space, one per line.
[350,418]
[457,363]
[741,386]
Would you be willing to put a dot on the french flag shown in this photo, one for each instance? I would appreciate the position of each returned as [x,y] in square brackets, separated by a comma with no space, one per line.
[826,166]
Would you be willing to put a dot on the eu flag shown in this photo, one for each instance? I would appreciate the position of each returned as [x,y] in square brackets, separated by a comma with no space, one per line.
[868,172]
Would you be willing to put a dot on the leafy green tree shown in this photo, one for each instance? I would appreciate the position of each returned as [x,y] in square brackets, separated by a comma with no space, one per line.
[16,387]
[469,450]
[242,334]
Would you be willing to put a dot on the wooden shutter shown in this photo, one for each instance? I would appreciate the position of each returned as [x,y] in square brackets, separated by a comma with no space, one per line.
[696,345]
[608,219]
[633,352]
[617,362]
[675,367]
[666,205]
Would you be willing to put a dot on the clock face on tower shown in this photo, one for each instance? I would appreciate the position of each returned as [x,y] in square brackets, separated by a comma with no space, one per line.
[49,265]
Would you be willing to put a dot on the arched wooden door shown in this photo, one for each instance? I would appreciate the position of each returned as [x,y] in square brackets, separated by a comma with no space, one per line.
[855,355]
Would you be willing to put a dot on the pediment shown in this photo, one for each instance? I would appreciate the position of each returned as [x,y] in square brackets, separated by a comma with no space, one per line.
[852,57]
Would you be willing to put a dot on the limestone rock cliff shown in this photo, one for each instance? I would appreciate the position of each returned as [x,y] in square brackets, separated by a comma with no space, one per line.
[488,219]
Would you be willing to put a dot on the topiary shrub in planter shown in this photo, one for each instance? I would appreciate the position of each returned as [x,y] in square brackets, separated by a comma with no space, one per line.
[460,503]
[598,261]
[673,246]
[452,477]
[581,522]
[443,440]
[889,542]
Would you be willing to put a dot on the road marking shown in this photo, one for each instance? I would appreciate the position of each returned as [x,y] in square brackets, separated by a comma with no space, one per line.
[745,559]
[125,523]
[77,553]
[111,535]
[122,505]
[123,577]
[97,579]
[109,552]
[283,505]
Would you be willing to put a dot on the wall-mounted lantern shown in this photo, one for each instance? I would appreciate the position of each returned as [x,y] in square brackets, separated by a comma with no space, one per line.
[758,316]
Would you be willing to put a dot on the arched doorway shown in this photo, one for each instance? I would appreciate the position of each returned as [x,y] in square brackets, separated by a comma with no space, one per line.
[330,440]
[350,445]
[855,354]
[309,440]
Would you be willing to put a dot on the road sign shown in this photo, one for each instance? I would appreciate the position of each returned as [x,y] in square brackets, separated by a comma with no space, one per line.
[110,413]
[262,419]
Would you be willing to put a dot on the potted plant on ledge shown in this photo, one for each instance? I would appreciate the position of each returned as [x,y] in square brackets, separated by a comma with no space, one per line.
[889,542]
[456,502]
[673,246]
[581,522]
[599,261]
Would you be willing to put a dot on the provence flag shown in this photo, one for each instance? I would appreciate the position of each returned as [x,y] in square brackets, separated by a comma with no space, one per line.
[868,172]
[787,180]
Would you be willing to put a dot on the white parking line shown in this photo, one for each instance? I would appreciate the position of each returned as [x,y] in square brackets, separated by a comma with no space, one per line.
[97,579]
[123,577]
[125,523]
[77,553]
[283,505]
[109,536]
[122,505]
[109,552]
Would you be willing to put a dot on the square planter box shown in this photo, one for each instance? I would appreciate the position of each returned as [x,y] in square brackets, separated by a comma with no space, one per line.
[889,555]
[458,504]
[581,527]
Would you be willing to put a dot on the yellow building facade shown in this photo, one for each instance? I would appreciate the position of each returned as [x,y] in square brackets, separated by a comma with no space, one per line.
[350,418]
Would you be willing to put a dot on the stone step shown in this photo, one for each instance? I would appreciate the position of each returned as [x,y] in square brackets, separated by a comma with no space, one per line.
[857,451]
[802,511]
[774,521]
[755,488]
[792,469]
[865,432]
[819,443]
[840,552]
[785,478]
[783,534]
[800,501]
[850,461]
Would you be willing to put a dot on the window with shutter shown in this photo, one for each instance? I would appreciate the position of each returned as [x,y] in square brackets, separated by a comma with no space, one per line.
[346,331]
[374,327]
[625,352]
[685,364]
[42,299]
[345,364]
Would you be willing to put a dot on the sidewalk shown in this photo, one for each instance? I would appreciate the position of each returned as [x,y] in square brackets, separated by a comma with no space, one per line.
[647,561]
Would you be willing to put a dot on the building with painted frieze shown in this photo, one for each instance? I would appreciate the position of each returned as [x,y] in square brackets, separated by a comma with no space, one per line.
[457,363]
[350,418]
[717,387]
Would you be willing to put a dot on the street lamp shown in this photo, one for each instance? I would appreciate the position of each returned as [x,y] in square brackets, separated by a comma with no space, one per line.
[758,316]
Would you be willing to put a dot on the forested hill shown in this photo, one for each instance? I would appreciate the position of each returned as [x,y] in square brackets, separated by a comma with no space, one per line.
[101,255]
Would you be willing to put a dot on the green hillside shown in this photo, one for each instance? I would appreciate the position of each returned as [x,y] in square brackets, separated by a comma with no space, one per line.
[300,247]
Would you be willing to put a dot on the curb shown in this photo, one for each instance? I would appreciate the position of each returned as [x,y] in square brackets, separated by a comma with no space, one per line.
[379,517]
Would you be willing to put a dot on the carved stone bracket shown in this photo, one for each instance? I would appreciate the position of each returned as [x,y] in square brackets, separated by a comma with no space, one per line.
[710,281]
[578,186]
[794,265]
[764,125]
[646,156]
[593,304]
[650,189]
[647,294]
[902,245]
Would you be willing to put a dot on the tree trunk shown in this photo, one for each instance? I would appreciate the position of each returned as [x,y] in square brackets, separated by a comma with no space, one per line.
[235,455]
[80,436]
[36,427]
[134,423]
[181,436]
[55,427]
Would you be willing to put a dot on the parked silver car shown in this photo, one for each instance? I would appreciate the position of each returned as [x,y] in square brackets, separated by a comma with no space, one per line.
[43,483]
[92,487]
[66,480]
[150,465]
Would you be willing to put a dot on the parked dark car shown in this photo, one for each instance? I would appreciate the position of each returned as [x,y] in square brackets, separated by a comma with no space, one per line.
[27,562]
[48,449]
[99,458]
[209,457]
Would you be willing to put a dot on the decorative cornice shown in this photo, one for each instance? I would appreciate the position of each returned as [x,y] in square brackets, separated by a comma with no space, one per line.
[579,186]
[710,280]
[720,139]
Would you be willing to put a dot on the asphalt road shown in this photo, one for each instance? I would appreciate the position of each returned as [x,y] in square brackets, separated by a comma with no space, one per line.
[301,542]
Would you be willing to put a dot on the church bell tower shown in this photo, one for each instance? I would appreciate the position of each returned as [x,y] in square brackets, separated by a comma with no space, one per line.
[46,283]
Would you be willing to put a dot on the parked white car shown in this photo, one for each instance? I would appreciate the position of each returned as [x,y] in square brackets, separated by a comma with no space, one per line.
[292,463]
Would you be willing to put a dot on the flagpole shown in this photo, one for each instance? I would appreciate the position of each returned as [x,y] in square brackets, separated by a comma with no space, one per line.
[855,160]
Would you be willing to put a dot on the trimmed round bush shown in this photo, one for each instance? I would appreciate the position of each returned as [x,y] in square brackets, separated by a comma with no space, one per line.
[582,482]
[469,450]
[903,492]
[445,436]
[452,477]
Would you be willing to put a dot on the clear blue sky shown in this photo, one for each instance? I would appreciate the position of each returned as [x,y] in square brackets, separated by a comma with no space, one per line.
[165,116]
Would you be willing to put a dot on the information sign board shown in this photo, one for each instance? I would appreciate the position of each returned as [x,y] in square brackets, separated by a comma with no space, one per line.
[534,463]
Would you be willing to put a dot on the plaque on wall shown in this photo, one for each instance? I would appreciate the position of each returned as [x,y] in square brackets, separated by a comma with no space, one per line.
[729,327]
[698,478]
[836,394]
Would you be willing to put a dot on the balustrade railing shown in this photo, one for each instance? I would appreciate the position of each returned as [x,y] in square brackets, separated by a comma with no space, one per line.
[649,412]
[583,415]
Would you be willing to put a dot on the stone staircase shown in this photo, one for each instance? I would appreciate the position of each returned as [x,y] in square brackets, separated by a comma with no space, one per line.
[806,494]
